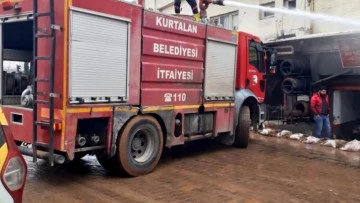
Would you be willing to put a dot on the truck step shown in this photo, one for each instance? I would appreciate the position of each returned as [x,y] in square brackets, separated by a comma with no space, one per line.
[43,58]
[42,123]
[42,102]
[43,36]
[42,14]
[41,80]
[42,145]
[40,94]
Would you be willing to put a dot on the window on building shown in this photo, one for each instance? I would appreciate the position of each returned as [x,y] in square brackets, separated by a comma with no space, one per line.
[267,14]
[228,21]
[290,4]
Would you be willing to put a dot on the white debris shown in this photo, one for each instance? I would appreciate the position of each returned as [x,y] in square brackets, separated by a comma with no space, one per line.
[330,143]
[311,140]
[334,143]
[296,136]
[284,133]
[353,146]
[266,131]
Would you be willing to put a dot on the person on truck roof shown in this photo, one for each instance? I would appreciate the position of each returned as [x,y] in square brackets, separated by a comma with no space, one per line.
[193,5]
[321,109]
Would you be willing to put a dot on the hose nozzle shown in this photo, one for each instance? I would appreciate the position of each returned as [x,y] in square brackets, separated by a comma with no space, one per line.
[218,2]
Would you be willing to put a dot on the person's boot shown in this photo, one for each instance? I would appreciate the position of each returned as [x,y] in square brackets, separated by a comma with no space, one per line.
[197,17]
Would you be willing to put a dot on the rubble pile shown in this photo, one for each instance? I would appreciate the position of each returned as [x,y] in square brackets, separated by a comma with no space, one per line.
[296,136]
[334,143]
[284,133]
[312,140]
[353,146]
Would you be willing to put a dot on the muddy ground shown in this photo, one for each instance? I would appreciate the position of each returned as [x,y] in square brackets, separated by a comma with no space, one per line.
[270,170]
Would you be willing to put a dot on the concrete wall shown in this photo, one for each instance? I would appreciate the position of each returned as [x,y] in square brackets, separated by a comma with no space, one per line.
[273,27]
[341,8]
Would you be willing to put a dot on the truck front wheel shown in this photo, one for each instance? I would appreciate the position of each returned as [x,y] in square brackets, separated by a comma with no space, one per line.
[139,146]
[243,128]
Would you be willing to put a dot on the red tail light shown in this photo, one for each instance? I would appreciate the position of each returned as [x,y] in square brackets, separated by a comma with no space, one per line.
[7,5]
[14,174]
[14,171]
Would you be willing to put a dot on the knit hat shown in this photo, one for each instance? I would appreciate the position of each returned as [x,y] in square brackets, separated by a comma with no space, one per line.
[322,87]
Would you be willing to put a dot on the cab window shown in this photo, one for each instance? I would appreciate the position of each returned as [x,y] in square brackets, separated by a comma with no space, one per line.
[253,57]
[256,57]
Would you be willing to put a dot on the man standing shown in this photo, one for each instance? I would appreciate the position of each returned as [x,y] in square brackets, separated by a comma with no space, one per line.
[193,5]
[321,109]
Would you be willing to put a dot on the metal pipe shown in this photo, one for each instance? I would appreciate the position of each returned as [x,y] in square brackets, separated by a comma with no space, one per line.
[59,159]
[198,137]
[80,140]
[333,76]
[95,139]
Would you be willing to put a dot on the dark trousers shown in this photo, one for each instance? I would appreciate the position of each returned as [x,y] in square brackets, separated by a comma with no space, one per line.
[192,3]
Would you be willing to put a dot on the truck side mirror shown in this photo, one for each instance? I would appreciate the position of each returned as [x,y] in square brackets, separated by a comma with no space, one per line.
[273,61]
[259,48]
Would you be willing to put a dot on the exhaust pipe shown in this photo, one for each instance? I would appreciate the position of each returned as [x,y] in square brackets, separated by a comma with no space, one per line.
[58,159]
[218,2]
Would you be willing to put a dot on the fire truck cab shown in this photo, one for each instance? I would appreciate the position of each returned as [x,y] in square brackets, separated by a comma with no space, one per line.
[112,79]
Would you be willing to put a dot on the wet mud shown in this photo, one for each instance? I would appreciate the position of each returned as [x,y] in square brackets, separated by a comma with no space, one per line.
[269,170]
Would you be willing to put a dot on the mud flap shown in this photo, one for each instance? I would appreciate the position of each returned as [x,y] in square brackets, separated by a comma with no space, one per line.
[227,140]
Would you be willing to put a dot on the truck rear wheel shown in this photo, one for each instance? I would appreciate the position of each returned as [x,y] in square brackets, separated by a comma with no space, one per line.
[139,146]
[243,128]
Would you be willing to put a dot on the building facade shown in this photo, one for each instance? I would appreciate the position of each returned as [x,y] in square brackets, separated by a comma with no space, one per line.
[271,26]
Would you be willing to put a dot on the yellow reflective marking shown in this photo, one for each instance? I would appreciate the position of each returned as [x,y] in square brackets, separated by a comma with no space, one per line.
[88,109]
[133,110]
[3,120]
[219,105]
[3,155]
[163,108]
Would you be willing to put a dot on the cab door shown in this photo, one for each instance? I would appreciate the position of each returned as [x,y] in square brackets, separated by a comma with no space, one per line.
[256,70]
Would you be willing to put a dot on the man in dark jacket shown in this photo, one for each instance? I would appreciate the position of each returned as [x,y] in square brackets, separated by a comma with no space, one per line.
[321,109]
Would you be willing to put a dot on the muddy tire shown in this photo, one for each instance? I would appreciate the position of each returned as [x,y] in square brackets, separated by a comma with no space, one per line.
[243,128]
[139,146]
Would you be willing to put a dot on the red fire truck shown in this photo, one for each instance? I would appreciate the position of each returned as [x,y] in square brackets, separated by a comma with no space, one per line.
[112,79]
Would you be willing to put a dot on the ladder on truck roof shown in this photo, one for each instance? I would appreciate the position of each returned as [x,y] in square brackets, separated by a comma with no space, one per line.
[47,33]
